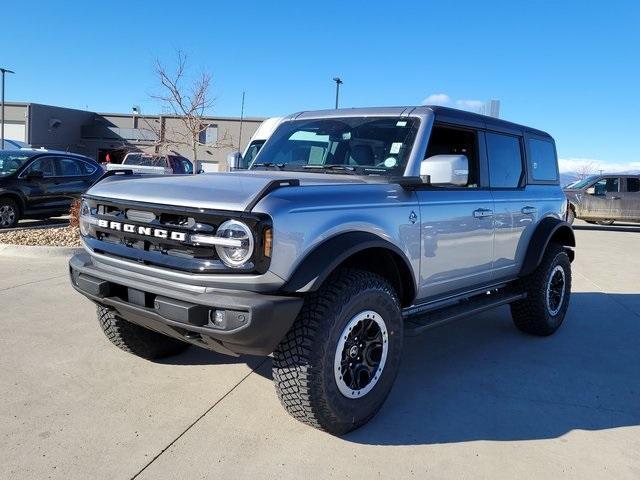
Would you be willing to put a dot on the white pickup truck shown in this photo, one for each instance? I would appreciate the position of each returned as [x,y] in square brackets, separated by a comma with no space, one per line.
[153,164]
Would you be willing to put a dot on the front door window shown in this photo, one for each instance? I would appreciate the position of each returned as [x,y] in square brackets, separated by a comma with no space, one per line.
[607,185]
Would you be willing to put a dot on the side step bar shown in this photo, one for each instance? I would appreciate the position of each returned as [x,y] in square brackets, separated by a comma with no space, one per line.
[415,325]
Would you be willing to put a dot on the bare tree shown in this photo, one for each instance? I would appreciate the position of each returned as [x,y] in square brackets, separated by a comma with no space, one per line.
[585,170]
[188,100]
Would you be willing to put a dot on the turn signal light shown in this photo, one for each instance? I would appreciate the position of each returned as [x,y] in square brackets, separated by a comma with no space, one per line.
[268,242]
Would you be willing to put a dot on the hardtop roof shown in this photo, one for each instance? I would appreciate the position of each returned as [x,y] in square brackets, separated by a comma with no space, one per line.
[447,113]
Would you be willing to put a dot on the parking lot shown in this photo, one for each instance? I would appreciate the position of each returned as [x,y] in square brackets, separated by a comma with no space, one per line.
[474,399]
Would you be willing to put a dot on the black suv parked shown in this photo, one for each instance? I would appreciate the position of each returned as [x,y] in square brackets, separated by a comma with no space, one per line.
[41,183]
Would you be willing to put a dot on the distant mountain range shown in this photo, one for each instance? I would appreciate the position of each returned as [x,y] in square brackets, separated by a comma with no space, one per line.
[569,177]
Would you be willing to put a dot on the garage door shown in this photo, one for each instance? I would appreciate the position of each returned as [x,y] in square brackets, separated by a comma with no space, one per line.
[15,131]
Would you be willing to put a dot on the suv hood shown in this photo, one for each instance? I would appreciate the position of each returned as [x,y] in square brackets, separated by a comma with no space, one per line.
[215,191]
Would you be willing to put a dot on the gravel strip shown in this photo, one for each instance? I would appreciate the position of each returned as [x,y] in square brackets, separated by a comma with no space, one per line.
[51,237]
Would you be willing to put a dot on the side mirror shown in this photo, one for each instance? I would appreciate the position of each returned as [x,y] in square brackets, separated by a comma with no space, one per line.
[590,191]
[35,174]
[235,161]
[445,170]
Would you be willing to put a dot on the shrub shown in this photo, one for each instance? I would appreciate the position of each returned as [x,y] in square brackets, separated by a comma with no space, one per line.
[74,213]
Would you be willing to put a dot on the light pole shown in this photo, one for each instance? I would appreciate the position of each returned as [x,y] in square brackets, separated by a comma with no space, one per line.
[338,83]
[3,70]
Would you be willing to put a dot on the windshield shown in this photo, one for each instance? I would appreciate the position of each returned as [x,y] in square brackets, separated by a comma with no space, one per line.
[361,145]
[145,160]
[582,183]
[10,162]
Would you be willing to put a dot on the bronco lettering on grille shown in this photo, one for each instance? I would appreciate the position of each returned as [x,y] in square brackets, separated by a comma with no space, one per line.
[145,231]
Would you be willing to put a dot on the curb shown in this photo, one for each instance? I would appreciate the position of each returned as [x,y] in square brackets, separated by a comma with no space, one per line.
[32,251]
[35,227]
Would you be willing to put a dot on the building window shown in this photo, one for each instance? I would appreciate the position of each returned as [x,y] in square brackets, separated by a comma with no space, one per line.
[208,134]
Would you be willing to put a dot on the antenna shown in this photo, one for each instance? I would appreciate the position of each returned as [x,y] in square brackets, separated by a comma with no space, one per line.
[241,120]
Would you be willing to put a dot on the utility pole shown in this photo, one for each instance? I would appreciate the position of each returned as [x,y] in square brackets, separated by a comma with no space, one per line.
[3,70]
[338,83]
[241,119]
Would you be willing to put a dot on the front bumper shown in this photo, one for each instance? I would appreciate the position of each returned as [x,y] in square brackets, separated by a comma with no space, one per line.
[225,321]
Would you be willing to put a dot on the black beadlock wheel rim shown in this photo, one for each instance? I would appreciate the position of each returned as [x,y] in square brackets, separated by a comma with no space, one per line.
[361,354]
[556,286]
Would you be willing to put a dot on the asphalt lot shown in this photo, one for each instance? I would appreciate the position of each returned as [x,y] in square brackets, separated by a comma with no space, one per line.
[474,399]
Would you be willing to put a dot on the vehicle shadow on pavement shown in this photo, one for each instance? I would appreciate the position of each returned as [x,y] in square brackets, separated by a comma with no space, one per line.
[199,356]
[481,379]
[626,227]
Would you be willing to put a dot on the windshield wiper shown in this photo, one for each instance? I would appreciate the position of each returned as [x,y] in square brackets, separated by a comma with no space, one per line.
[332,168]
[279,166]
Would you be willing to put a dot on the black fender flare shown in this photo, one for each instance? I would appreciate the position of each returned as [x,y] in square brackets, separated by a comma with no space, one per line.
[314,269]
[549,228]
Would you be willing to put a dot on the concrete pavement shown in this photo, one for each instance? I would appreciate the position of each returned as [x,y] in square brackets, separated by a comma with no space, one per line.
[474,399]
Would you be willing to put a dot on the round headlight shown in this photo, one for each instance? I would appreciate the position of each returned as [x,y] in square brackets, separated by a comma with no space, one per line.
[239,249]
[85,219]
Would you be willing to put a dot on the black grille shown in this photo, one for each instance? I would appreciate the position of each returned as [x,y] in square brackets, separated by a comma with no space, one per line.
[165,252]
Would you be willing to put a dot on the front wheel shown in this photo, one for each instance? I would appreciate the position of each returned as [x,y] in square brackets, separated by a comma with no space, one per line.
[605,222]
[571,216]
[548,290]
[337,364]
[135,339]
[9,213]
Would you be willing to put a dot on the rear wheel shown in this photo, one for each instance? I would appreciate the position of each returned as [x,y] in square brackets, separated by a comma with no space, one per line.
[337,364]
[605,222]
[9,213]
[548,290]
[135,339]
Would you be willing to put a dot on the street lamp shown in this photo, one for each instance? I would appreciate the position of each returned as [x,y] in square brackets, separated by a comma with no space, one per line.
[338,83]
[3,70]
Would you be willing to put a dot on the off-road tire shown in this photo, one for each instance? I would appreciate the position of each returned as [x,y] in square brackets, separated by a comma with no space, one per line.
[605,222]
[303,363]
[8,203]
[135,339]
[532,314]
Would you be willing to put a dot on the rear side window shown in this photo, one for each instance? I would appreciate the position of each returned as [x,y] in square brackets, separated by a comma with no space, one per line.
[68,167]
[505,160]
[633,185]
[542,164]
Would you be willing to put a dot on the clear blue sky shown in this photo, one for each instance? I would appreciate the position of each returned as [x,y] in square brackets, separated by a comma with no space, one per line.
[569,67]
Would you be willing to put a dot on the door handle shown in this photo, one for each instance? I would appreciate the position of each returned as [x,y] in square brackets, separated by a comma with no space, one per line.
[615,198]
[482,213]
[529,210]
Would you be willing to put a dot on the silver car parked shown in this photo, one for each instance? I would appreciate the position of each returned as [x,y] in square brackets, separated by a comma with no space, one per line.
[351,229]
[605,198]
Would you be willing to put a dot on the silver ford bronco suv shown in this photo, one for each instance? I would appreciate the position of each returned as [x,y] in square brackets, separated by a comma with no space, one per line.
[350,230]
